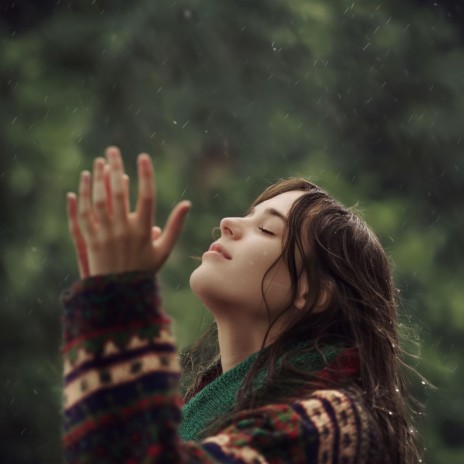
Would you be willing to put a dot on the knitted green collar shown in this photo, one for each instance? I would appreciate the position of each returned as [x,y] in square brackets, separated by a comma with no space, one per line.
[218,397]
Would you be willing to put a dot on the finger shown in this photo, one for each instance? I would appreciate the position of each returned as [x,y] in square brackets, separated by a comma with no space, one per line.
[173,228]
[84,207]
[106,175]
[117,186]
[146,195]
[99,191]
[126,181]
[155,233]
[77,237]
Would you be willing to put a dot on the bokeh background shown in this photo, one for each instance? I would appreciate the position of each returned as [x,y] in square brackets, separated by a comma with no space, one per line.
[364,97]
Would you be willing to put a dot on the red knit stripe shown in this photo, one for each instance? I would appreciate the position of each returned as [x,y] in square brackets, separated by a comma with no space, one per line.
[124,414]
[123,329]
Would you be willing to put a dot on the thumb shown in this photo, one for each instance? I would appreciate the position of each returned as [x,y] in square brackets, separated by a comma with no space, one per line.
[173,228]
[155,233]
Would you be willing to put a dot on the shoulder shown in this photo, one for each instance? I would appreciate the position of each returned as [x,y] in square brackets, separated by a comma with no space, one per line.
[325,426]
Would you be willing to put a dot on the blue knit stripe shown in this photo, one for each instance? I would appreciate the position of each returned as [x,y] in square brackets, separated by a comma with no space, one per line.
[329,409]
[120,396]
[105,362]
[311,445]
[357,419]
[129,438]
[217,453]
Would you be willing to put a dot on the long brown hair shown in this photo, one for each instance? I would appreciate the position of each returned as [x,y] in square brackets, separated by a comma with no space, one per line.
[344,263]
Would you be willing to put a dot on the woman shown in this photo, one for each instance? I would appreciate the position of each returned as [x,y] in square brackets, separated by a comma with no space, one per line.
[303,300]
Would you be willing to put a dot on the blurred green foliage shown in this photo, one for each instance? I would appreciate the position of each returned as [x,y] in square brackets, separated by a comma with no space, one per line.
[364,97]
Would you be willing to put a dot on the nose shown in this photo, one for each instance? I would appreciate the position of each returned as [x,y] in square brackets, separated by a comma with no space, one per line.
[231,227]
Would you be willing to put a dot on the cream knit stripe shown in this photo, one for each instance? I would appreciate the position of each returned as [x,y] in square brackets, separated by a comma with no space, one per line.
[91,382]
[335,403]
[246,454]
[81,355]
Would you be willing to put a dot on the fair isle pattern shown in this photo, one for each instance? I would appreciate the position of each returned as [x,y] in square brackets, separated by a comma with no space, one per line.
[337,425]
[123,407]
[82,356]
[92,381]
[337,418]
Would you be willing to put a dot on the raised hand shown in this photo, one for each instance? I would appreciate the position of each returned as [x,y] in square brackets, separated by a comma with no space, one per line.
[108,238]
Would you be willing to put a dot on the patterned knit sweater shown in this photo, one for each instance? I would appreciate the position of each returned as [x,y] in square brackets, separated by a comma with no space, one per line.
[122,404]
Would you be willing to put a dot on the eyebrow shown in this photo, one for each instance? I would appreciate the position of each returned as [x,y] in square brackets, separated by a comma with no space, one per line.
[270,211]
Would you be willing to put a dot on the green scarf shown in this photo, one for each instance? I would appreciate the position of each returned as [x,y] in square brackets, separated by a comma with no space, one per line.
[218,397]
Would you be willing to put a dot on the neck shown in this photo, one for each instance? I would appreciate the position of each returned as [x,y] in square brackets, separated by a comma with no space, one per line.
[236,345]
[240,338]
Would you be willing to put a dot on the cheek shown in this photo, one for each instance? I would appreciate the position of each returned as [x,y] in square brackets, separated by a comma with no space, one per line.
[278,288]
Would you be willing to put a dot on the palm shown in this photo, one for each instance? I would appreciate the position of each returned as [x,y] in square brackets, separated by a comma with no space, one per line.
[108,237]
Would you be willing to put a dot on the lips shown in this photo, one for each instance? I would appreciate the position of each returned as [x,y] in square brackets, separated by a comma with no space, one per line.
[219,249]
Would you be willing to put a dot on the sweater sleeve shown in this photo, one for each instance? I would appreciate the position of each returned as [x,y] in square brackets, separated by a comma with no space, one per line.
[122,404]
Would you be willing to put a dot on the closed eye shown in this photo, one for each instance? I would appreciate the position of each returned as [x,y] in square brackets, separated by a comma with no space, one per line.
[262,229]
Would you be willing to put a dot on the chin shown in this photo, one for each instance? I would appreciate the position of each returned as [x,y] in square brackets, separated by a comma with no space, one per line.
[193,281]
[201,282]
[209,287]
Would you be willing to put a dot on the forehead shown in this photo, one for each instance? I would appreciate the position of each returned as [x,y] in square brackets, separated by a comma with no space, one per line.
[282,202]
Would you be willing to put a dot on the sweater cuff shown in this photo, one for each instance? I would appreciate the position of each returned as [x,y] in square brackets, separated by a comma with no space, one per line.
[113,307]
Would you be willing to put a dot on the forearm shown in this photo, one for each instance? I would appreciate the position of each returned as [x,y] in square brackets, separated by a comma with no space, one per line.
[121,372]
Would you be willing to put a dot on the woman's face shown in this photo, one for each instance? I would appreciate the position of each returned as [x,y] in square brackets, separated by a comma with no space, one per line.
[232,271]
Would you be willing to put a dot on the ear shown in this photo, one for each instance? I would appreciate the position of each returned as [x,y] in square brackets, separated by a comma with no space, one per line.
[303,292]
